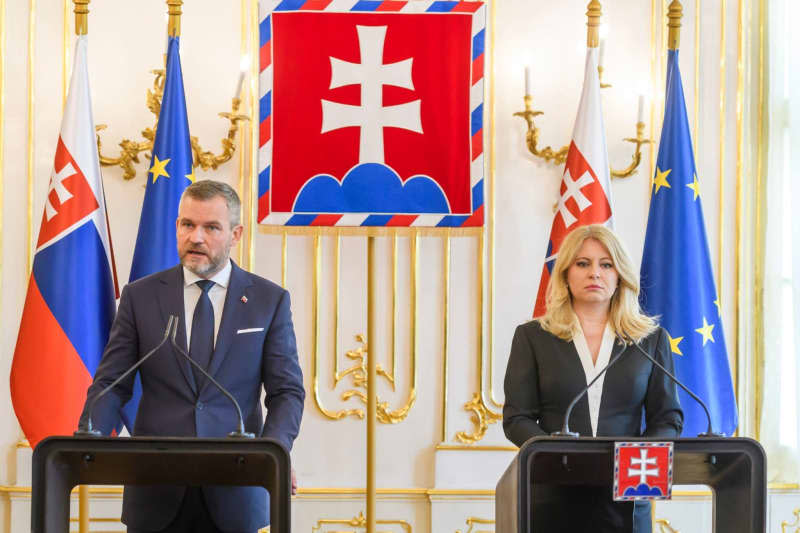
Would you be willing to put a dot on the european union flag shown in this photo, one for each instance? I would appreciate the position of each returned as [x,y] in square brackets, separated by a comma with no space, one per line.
[677,280]
[169,174]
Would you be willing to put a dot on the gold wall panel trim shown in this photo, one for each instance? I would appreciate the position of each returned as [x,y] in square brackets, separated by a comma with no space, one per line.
[359,357]
[472,521]
[359,521]
[654,88]
[31,103]
[793,524]
[490,183]
[445,324]
[252,151]
[393,333]
[284,260]
[737,268]
[758,277]
[696,75]
[477,448]
[352,231]
[2,129]
[65,55]
[337,279]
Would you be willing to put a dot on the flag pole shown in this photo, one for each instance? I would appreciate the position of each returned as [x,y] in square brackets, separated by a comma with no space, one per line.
[174,8]
[593,12]
[674,14]
[82,28]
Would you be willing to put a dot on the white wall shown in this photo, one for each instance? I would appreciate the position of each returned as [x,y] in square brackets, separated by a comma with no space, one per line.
[127,40]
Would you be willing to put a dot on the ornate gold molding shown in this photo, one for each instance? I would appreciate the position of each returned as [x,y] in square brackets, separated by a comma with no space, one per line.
[665,527]
[472,521]
[359,521]
[481,418]
[795,524]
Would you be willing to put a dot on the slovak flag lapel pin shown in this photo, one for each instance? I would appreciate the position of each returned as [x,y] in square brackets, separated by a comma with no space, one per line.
[244,299]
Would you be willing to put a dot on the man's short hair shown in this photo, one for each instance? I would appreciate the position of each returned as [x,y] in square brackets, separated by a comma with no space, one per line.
[208,189]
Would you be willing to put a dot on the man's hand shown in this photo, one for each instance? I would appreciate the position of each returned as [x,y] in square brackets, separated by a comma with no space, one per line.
[294,483]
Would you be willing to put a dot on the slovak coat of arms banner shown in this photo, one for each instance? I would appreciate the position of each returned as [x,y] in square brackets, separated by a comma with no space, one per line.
[371,113]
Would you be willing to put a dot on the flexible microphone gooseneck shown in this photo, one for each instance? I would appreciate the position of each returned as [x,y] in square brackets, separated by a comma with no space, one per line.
[88,430]
[240,433]
[565,432]
[710,430]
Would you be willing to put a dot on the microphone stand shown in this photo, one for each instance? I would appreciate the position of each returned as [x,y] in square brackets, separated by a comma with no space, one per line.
[710,431]
[88,431]
[240,433]
[565,432]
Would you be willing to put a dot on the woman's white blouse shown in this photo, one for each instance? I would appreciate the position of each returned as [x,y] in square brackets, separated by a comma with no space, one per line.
[591,370]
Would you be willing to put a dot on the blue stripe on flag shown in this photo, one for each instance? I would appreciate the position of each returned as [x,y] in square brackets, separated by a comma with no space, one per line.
[80,294]
[366,5]
[477,119]
[452,221]
[263,181]
[265,106]
[477,196]
[301,220]
[290,5]
[441,7]
[377,220]
[478,44]
[264,31]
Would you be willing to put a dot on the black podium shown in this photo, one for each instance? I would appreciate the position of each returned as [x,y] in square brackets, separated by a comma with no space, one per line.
[61,463]
[734,469]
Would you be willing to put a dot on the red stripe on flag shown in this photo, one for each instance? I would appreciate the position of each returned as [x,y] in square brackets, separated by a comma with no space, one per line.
[265,131]
[263,206]
[315,5]
[48,379]
[391,5]
[326,220]
[477,144]
[475,220]
[402,220]
[466,7]
[265,56]
[477,69]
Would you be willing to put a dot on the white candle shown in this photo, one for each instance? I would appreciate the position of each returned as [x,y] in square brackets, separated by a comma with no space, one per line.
[239,84]
[600,59]
[527,81]
[640,115]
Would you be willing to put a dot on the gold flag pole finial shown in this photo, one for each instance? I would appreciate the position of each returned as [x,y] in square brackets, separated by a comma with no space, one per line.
[174,29]
[675,14]
[593,11]
[81,17]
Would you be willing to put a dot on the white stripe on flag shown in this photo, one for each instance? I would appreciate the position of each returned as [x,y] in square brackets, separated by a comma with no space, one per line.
[479,20]
[265,81]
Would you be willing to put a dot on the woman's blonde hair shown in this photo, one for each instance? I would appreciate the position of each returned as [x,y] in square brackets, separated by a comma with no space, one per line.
[625,316]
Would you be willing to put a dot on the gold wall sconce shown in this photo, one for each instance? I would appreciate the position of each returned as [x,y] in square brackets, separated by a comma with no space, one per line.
[559,156]
[205,159]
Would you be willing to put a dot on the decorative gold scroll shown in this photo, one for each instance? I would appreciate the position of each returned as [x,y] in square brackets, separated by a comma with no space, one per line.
[795,523]
[360,522]
[472,521]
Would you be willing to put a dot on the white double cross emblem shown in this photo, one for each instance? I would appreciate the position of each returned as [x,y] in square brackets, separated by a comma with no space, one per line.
[643,462]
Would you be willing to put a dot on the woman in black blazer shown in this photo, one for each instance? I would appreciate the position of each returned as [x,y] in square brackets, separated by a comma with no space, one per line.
[592,314]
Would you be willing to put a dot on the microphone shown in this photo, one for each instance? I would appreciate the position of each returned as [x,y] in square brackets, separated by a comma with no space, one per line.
[710,431]
[240,433]
[88,431]
[565,432]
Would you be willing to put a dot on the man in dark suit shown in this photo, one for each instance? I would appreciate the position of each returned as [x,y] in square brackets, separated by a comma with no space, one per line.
[236,325]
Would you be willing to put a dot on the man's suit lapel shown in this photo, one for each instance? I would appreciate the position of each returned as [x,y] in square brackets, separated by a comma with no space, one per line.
[171,303]
[232,314]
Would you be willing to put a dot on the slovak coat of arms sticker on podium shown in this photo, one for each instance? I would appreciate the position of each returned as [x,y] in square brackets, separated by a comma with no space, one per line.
[643,470]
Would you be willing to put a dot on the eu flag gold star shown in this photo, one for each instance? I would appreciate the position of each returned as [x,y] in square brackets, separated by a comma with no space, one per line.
[660,179]
[695,186]
[191,177]
[716,302]
[705,331]
[673,344]
[159,168]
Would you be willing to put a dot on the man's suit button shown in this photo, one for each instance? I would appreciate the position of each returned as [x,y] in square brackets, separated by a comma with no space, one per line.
[199,406]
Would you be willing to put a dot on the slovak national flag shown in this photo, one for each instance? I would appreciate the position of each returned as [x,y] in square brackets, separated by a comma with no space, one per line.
[70,303]
[585,194]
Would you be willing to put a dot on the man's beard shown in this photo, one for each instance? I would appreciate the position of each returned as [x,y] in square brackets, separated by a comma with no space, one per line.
[214,265]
